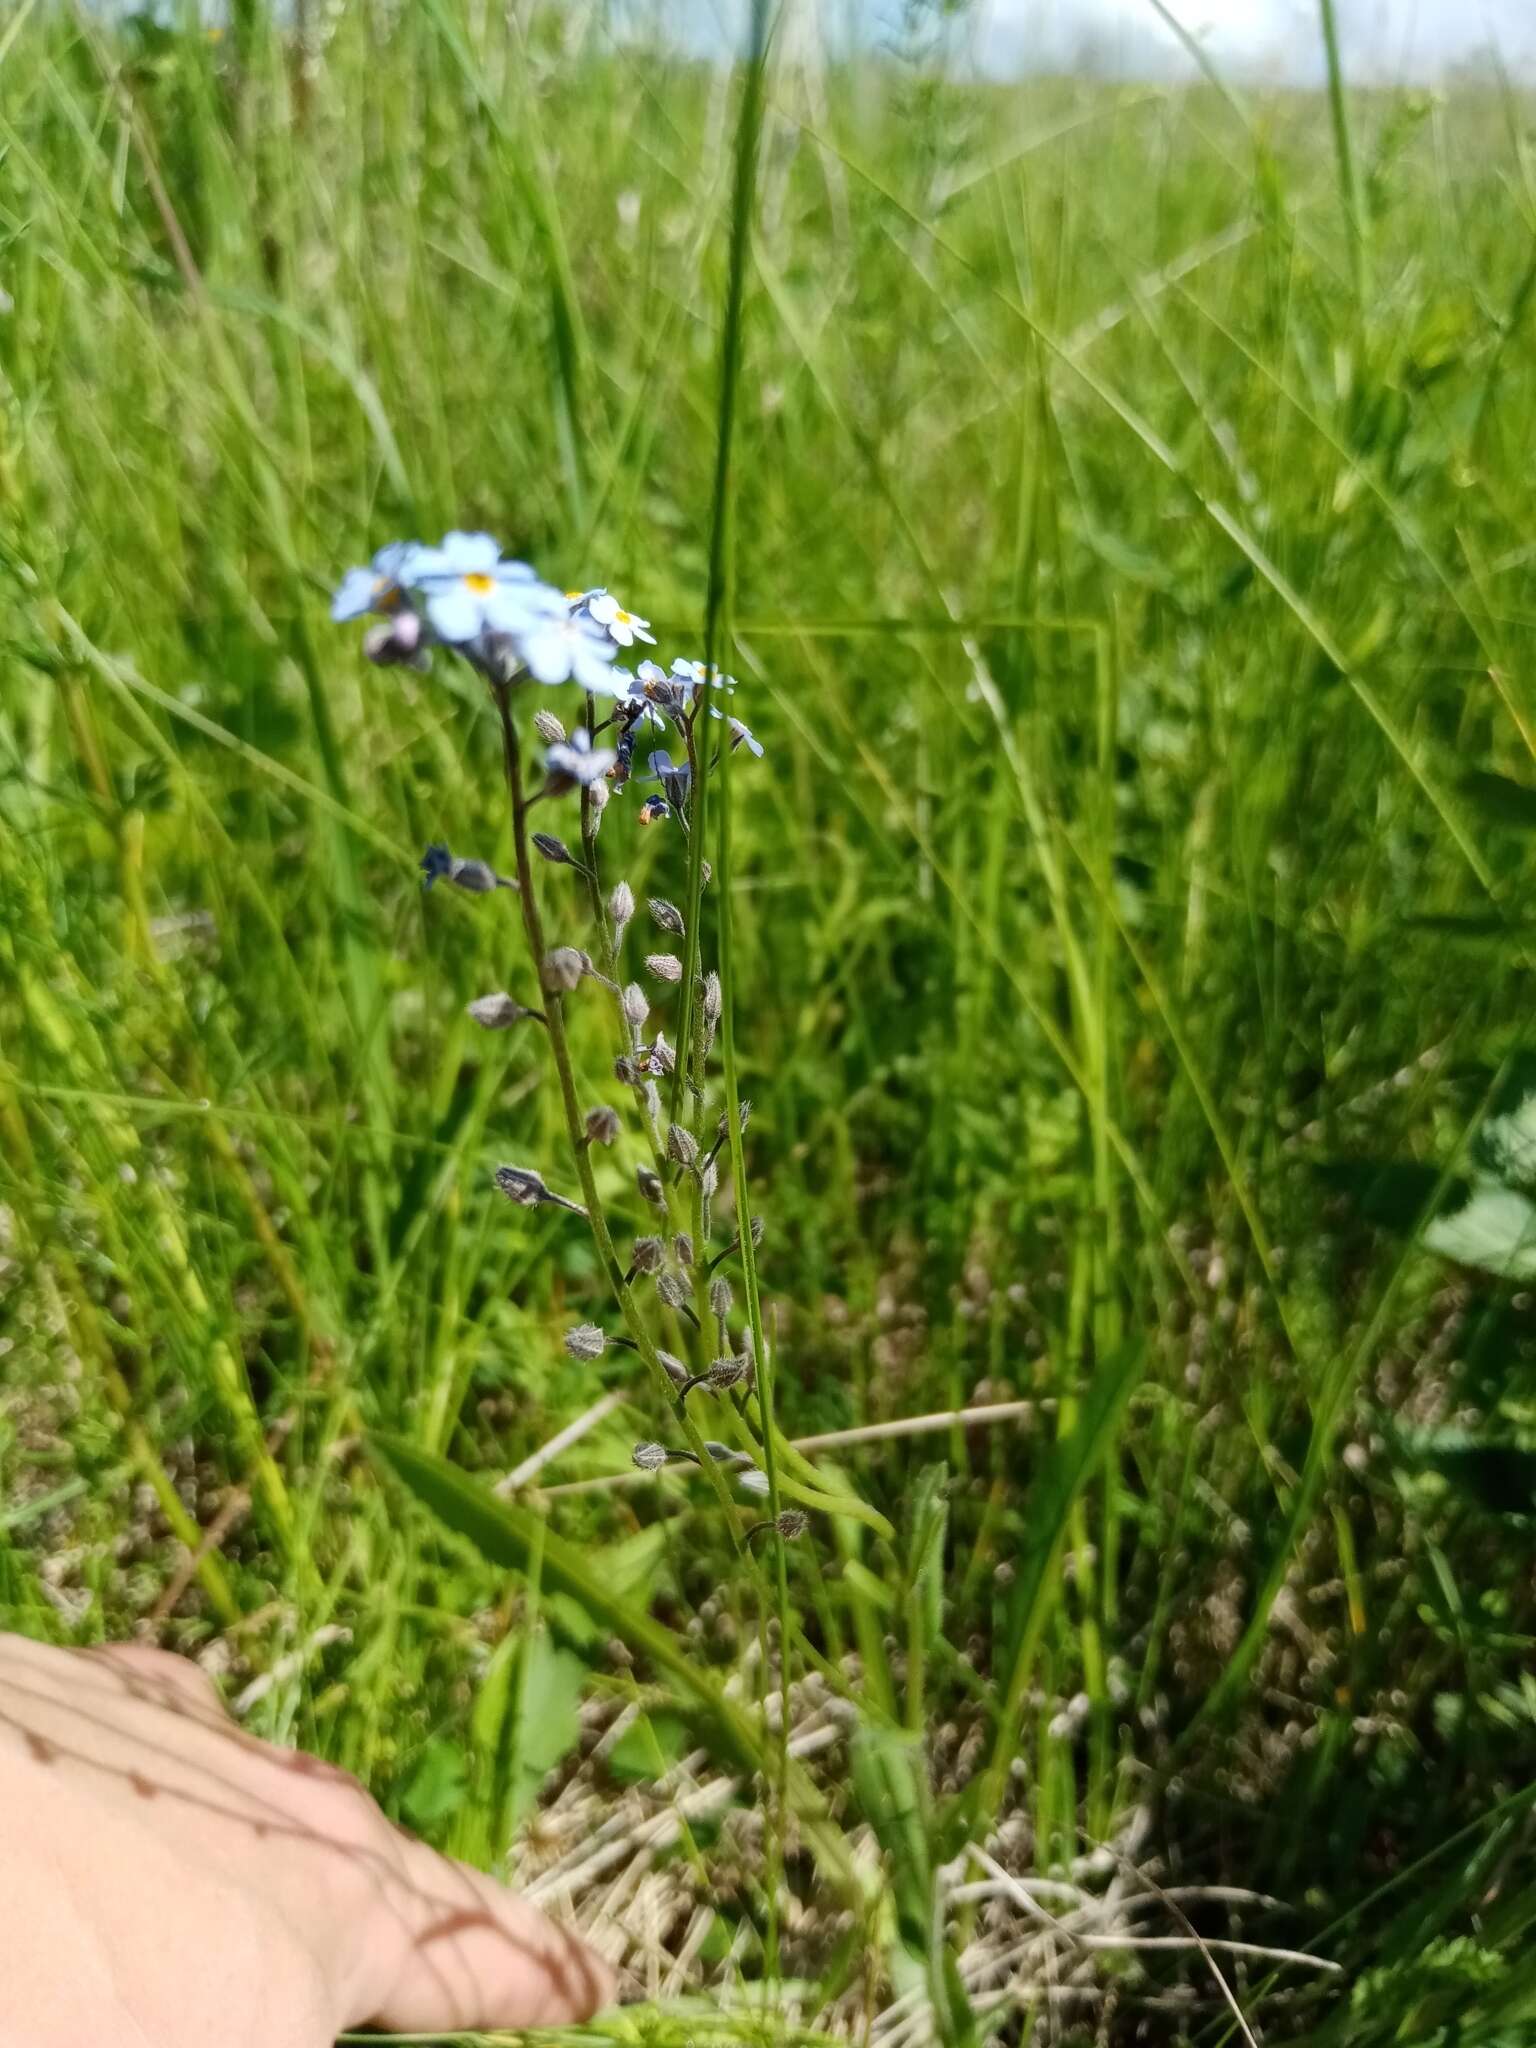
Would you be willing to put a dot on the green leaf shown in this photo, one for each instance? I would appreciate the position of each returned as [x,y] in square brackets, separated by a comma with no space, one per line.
[1495,1230]
[437,1785]
[888,1787]
[647,1749]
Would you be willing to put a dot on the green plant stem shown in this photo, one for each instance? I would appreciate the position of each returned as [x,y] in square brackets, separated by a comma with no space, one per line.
[533,928]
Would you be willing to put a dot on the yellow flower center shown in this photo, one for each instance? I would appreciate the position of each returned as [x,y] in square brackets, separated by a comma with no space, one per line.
[479,583]
[621,618]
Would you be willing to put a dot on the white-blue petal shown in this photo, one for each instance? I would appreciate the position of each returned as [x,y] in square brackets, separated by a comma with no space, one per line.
[455,613]
[507,608]
[397,560]
[354,594]
[472,554]
[546,653]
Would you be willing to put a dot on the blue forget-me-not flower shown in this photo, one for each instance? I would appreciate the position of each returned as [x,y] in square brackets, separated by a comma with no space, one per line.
[469,589]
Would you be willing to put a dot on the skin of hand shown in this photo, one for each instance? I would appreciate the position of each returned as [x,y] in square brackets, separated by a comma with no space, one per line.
[169,1881]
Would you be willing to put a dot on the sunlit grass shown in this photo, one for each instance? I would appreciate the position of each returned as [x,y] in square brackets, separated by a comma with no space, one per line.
[1125,543]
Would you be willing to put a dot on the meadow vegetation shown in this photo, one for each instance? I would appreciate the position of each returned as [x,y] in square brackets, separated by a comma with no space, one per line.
[1127,554]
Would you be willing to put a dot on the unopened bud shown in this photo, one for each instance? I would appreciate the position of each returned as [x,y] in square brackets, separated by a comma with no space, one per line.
[665,966]
[602,1124]
[724,1374]
[396,642]
[682,1146]
[548,728]
[621,908]
[722,1296]
[682,1248]
[562,969]
[712,997]
[792,1522]
[555,850]
[525,1187]
[586,1341]
[496,1013]
[625,1070]
[667,916]
[637,1004]
[674,1368]
[743,1117]
[649,1184]
[673,1291]
[648,1255]
[649,1457]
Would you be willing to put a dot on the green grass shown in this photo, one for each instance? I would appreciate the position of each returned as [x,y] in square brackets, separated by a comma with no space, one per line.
[1124,536]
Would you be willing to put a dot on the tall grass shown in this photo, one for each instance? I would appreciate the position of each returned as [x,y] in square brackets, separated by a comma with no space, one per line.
[1134,586]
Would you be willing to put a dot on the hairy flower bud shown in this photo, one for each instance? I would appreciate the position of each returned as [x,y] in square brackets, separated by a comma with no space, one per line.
[548,728]
[602,1124]
[648,1255]
[525,1187]
[586,1342]
[722,1296]
[498,1012]
[637,1004]
[665,966]
[682,1248]
[667,916]
[562,969]
[723,1127]
[673,1291]
[682,1146]
[621,908]
[649,1457]
[674,1368]
[649,1184]
[555,850]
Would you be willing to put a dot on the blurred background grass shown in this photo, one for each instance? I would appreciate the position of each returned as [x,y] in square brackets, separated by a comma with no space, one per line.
[1135,595]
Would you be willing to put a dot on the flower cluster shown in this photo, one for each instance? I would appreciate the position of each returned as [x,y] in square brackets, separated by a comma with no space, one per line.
[465,595]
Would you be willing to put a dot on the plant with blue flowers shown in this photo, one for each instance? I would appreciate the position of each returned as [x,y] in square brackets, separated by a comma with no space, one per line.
[520,636]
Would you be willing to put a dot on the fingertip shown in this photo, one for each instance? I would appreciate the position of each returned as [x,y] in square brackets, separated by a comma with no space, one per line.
[468,1953]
